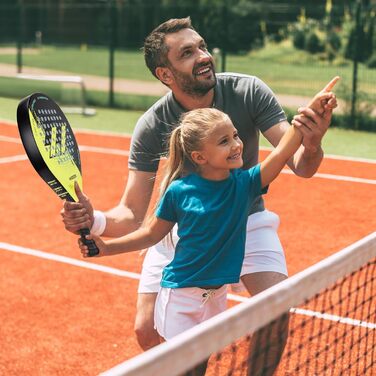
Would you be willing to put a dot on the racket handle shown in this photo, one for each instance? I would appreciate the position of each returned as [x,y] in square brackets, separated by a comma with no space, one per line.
[93,249]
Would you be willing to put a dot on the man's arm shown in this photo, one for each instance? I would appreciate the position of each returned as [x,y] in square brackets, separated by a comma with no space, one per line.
[126,217]
[313,121]
[129,214]
[272,165]
[307,159]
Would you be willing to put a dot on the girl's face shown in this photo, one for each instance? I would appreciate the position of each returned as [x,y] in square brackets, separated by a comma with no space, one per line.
[221,152]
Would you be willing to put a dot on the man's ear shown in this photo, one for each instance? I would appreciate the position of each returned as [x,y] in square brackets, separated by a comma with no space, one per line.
[198,157]
[164,75]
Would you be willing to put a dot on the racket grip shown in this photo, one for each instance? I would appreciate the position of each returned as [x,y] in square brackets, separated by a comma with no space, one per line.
[93,249]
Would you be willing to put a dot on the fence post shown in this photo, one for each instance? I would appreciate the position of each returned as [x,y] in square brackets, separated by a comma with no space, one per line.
[21,25]
[225,21]
[356,55]
[113,39]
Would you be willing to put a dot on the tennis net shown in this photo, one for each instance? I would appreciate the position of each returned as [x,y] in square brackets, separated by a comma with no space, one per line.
[328,311]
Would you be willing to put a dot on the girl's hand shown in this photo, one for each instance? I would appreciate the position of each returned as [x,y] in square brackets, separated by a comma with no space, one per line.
[101,245]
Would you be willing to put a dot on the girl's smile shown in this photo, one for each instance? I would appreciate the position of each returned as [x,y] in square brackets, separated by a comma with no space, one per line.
[220,152]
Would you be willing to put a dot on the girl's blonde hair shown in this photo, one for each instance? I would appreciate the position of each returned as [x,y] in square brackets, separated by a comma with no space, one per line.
[194,128]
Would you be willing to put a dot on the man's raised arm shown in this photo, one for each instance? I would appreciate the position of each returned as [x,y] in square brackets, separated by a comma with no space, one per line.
[313,122]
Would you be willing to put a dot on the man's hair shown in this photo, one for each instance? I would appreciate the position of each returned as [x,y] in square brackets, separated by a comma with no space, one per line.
[155,49]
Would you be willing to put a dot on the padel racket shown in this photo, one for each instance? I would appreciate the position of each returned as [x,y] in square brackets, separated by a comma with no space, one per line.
[52,149]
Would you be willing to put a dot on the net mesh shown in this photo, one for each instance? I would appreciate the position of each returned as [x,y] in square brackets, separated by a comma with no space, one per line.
[332,333]
[319,322]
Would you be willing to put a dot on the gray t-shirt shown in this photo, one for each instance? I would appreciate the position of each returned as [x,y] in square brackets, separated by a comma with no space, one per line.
[248,101]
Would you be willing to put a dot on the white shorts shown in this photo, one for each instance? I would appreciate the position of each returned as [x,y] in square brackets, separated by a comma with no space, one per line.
[177,310]
[263,253]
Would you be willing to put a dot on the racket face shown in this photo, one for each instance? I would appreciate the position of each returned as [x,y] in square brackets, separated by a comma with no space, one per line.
[50,144]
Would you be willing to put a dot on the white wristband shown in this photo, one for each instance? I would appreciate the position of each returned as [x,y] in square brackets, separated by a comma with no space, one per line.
[99,223]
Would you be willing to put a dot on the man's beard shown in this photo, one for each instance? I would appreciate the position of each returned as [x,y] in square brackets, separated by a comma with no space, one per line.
[192,87]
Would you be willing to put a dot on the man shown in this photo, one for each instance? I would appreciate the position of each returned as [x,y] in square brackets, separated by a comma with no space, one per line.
[177,55]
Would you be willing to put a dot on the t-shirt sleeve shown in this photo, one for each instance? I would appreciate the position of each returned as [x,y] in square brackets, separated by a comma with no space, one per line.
[255,181]
[166,208]
[266,111]
[146,149]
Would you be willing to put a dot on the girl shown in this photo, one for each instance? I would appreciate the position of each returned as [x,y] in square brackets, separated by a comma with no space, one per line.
[207,194]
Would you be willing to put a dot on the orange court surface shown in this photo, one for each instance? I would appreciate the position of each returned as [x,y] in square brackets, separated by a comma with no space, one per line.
[65,315]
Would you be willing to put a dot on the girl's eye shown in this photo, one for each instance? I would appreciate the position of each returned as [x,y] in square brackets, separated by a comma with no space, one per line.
[223,142]
[236,136]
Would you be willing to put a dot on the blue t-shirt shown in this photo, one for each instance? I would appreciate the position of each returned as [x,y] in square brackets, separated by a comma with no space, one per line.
[212,218]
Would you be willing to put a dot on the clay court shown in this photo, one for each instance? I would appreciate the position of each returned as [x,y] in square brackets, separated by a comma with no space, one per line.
[63,315]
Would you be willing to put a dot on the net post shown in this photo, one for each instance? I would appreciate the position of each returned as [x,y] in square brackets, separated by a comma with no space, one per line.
[64,79]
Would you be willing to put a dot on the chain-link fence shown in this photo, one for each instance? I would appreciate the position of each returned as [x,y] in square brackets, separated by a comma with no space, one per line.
[294,47]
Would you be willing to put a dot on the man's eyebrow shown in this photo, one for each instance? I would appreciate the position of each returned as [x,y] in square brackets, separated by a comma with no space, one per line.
[186,47]
[192,44]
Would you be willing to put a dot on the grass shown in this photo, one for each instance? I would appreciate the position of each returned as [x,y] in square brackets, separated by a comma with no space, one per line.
[92,61]
[71,95]
[337,141]
[285,69]
[120,121]
[290,71]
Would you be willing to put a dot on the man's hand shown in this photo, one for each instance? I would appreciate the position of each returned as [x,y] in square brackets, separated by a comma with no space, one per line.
[77,215]
[313,121]
[312,126]
[325,100]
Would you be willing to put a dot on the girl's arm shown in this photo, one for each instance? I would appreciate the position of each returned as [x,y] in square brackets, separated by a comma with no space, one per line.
[142,238]
[277,159]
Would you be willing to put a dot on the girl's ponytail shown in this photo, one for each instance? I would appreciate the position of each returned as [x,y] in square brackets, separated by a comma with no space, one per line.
[174,168]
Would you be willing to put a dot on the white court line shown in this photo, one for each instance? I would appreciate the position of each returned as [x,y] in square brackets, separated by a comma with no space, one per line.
[95,149]
[10,139]
[97,132]
[318,315]
[102,133]
[123,273]
[336,177]
[335,318]
[68,260]
[350,159]
[333,156]
[92,149]
[14,158]
[125,135]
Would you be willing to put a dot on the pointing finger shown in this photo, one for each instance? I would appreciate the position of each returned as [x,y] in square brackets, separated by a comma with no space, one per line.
[331,84]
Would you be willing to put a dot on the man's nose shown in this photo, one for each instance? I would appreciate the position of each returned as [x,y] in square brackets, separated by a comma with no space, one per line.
[204,55]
